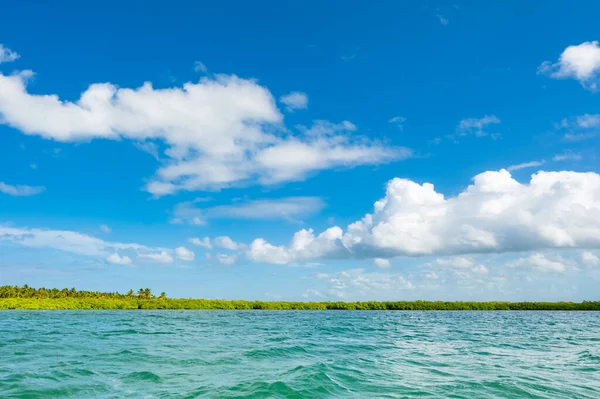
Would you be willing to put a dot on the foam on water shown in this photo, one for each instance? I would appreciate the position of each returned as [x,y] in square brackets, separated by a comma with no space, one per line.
[299,354]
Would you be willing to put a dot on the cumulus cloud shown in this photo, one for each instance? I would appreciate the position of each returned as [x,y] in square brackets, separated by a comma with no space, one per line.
[382,263]
[20,191]
[495,214]
[6,55]
[580,62]
[525,165]
[182,253]
[226,243]
[287,208]
[204,243]
[220,132]
[105,228]
[226,259]
[115,259]
[295,100]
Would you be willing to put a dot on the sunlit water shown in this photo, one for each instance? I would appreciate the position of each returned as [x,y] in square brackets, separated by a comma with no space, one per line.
[302,354]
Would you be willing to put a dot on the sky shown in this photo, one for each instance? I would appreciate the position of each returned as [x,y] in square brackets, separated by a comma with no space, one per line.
[302,150]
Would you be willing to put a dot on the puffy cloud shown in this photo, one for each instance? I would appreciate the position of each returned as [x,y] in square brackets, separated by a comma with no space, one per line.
[588,258]
[227,259]
[287,208]
[220,132]
[105,228]
[580,62]
[6,55]
[382,263]
[182,253]
[476,126]
[493,215]
[161,257]
[304,246]
[540,262]
[525,165]
[115,259]
[204,243]
[20,191]
[226,243]
[295,100]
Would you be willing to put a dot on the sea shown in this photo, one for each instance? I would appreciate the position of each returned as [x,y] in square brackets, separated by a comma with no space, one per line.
[299,354]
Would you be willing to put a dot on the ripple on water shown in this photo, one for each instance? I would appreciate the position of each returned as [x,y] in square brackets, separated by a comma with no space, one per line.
[229,354]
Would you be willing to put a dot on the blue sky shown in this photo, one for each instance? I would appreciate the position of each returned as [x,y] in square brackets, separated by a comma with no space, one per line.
[302,151]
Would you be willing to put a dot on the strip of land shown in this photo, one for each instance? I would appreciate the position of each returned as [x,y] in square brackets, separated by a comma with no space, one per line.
[27,298]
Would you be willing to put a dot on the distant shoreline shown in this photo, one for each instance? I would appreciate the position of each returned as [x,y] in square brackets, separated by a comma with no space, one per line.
[29,298]
[217,304]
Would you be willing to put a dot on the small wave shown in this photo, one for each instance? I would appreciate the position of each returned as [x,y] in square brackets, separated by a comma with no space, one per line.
[276,352]
[137,376]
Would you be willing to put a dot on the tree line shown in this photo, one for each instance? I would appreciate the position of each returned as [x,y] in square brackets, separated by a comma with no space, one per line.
[10,291]
[14,297]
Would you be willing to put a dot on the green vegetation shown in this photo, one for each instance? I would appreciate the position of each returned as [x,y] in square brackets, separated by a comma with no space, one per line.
[13,297]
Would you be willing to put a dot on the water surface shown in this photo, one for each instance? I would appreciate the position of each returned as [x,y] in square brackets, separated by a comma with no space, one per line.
[299,354]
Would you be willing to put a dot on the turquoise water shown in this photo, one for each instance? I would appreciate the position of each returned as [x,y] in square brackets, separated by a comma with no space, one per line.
[287,354]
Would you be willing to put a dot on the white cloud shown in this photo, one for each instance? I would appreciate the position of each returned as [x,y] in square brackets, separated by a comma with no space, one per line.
[204,243]
[588,258]
[6,55]
[493,215]
[398,121]
[304,246]
[458,262]
[226,243]
[382,263]
[295,100]
[219,132]
[115,259]
[476,126]
[358,283]
[161,257]
[580,62]
[580,128]
[287,208]
[20,191]
[443,20]
[525,165]
[567,156]
[587,121]
[226,259]
[200,67]
[182,253]
[68,241]
[105,228]
[540,262]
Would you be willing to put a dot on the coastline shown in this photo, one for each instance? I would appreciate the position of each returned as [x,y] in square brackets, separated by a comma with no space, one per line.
[218,304]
